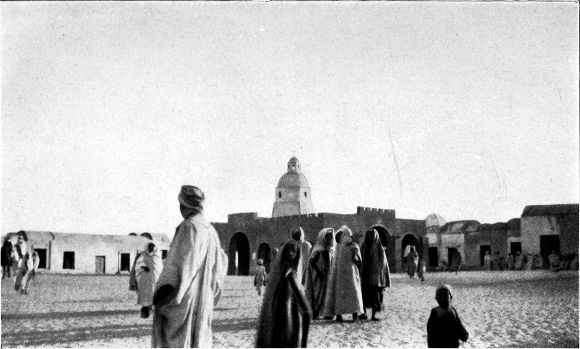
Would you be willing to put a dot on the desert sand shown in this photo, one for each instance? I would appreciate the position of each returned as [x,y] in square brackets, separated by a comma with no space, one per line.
[499,309]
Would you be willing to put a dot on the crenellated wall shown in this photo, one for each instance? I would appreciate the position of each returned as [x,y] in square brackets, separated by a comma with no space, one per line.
[275,231]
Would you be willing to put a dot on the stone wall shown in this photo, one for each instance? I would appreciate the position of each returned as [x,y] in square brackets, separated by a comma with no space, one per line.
[275,231]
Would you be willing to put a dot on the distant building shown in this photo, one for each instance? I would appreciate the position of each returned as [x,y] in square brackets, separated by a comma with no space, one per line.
[547,228]
[89,253]
[248,237]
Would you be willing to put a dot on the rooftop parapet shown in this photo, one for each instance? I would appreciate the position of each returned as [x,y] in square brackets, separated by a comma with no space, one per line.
[360,210]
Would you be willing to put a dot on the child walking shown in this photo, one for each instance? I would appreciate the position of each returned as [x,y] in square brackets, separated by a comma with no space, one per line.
[260,278]
[444,328]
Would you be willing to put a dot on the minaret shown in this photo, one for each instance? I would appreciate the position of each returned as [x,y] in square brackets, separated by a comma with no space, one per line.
[292,193]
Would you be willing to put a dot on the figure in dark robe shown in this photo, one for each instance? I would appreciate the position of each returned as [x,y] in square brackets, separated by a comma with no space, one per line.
[375,274]
[318,271]
[6,257]
[286,314]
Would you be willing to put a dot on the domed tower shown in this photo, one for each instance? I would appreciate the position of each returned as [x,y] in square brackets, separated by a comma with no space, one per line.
[292,192]
[434,222]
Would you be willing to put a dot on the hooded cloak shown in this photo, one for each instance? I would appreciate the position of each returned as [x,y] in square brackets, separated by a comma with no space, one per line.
[280,323]
[318,270]
[344,294]
[375,266]
[305,249]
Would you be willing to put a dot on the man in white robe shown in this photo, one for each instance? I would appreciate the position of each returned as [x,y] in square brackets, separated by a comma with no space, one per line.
[147,270]
[191,281]
[23,251]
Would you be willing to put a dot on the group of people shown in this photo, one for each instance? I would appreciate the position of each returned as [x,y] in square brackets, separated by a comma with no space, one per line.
[528,261]
[332,278]
[413,264]
[20,258]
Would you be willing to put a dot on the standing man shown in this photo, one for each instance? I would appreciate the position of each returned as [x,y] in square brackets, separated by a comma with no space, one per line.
[146,271]
[191,281]
[23,251]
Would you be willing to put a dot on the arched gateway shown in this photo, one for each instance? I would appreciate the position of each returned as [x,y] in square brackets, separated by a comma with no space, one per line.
[410,240]
[265,254]
[239,255]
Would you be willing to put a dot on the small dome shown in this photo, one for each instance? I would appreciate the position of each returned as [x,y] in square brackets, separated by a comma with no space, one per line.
[292,179]
[434,220]
[294,176]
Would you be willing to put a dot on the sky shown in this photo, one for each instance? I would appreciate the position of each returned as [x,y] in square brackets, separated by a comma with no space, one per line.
[469,110]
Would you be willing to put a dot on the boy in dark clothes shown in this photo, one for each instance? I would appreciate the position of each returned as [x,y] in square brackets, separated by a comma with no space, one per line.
[444,328]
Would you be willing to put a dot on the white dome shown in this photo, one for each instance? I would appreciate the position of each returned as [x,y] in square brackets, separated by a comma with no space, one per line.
[434,220]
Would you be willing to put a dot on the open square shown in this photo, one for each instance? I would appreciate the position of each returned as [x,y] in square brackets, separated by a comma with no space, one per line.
[498,309]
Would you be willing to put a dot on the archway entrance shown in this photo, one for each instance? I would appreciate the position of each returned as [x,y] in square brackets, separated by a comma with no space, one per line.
[387,241]
[239,255]
[410,240]
[265,254]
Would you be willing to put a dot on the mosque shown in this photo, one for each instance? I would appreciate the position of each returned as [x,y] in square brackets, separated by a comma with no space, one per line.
[247,237]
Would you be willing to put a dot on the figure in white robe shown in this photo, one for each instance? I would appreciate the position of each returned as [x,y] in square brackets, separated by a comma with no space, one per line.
[147,269]
[191,281]
[297,234]
[23,252]
[412,261]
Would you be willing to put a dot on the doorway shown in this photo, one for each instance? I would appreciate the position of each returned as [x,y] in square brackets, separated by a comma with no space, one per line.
[41,257]
[409,240]
[515,247]
[549,243]
[125,261]
[239,255]
[100,264]
[433,257]
[482,250]
[453,253]
[265,254]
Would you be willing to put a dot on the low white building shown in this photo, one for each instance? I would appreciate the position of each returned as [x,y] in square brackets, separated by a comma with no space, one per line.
[90,253]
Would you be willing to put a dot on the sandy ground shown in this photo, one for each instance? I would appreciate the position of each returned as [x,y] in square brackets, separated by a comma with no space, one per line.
[499,309]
